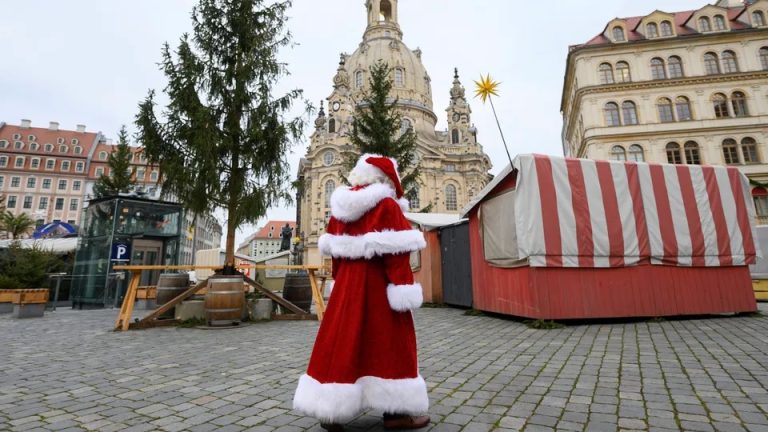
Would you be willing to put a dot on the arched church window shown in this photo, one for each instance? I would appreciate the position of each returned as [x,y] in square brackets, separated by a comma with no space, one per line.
[450,198]
[455,136]
[399,77]
[359,79]
[385,11]
[332,125]
[413,198]
[330,186]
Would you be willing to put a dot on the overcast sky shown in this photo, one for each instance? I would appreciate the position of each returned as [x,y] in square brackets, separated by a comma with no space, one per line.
[91,61]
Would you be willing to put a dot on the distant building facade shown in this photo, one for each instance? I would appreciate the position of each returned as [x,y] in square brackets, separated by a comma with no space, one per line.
[674,87]
[202,233]
[267,240]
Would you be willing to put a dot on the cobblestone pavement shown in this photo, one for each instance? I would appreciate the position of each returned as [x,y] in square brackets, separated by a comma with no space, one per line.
[68,371]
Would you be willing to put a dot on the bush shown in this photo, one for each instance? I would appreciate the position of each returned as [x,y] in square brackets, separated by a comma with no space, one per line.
[27,268]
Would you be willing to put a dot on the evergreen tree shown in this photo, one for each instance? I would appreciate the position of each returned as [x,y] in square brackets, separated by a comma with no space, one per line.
[120,178]
[377,129]
[16,226]
[224,140]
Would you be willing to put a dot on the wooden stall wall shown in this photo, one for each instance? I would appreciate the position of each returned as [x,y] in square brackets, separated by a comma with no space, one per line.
[429,273]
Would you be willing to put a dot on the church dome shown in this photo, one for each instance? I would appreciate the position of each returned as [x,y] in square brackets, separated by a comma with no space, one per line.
[383,42]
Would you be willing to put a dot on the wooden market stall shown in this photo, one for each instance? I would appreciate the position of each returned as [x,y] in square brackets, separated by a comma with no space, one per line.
[557,238]
[427,263]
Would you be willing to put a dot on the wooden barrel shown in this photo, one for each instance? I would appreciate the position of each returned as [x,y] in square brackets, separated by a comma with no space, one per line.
[297,290]
[225,300]
[169,286]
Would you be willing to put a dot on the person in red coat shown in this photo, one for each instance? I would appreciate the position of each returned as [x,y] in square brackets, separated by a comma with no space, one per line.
[365,352]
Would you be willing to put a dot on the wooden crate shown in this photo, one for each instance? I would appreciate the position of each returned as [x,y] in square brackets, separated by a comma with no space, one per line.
[24,296]
[760,287]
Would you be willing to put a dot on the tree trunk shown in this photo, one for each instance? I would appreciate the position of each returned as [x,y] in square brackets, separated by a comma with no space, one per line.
[229,259]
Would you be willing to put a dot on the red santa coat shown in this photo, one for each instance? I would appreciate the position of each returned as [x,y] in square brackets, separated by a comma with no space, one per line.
[365,352]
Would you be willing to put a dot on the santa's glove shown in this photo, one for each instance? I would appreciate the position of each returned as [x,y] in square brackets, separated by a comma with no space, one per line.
[403,298]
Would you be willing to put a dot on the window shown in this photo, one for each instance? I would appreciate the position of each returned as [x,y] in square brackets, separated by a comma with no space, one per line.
[99,172]
[153,176]
[675,67]
[636,153]
[399,77]
[664,106]
[749,150]
[46,183]
[50,164]
[760,196]
[3,161]
[330,186]
[65,165]
[19,163]
[729,62]
[683,108]
[622,72]
[3,144]
[78,150]
[34,163]
[618,34]
[455,136]
[63,149]
[666,28]
[719,22]
[76,185]
[359,79]
[704,24]
[606,73]
[739,103]
[332,125]
[658,70]
[73,204]
[413,198]
[629,110]
[75,141]
[34,146]
[43,203]
[15,182]
[611,113]
[758,19]
[140,174]
[18,145]
[692,156]
[2,181]
[450,198]
[27,202]
[59,204]
[711,64]
[328,158]
[11,202]
[103,155]
[49,148]
[652,30]
[720,104]
[62,184]
[618,153]
[673,153]
[764,57]
[31,183]
[79,166]
[730,153]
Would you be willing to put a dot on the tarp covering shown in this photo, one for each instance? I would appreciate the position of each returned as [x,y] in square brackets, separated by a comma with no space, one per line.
[587,213]
[61,245]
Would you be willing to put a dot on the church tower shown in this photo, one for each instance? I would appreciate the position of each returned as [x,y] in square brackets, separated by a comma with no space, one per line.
[452,163]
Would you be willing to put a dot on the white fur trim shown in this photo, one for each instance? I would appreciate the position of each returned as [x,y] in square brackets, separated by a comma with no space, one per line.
[340,403]
[405,205]
[371,244]
[349,205]
[404,298]
[364,173]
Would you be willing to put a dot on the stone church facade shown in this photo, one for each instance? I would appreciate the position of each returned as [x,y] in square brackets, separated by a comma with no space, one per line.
[452,163]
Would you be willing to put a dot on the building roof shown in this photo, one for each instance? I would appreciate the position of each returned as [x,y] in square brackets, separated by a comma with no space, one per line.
[273,228]
[509,169]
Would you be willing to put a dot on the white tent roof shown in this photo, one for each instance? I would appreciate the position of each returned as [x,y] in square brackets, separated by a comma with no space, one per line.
[60,245]
[430,221]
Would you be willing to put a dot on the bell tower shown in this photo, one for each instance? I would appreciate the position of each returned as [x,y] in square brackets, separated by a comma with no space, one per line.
[382,19]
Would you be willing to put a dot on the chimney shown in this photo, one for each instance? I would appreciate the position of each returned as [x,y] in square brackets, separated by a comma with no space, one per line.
[81,128]
[53,126]
[26,124]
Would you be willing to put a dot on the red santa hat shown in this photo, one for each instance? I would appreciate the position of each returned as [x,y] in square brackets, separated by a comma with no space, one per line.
[370,168]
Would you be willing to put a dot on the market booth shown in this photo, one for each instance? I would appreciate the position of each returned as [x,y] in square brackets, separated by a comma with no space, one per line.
[557,238]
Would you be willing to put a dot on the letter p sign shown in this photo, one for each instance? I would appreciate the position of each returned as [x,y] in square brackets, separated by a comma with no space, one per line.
[121,252]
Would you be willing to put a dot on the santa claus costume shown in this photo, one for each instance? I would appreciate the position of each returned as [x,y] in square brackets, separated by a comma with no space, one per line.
[365,352]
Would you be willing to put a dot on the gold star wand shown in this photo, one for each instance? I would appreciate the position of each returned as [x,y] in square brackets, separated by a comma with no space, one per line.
[485,89]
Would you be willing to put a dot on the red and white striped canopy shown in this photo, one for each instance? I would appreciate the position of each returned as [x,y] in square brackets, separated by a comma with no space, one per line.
[586,213]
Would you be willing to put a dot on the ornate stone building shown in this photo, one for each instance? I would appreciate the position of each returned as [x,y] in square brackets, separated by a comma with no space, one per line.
[452,163]
[674,87]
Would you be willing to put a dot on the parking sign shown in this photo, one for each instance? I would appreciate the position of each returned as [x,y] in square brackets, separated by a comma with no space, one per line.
[121,252]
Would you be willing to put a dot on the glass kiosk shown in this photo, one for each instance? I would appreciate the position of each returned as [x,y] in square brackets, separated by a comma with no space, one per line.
[151,229]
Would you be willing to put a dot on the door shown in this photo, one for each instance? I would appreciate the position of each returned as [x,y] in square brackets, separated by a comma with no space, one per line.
[147,252]
[456,265]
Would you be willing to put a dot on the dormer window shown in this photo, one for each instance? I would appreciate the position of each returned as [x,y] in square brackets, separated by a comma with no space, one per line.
[652,31]
[49,148]
[666,28]
[618,34]
[705,25]
[719,22]
[758,19]
[103,155]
